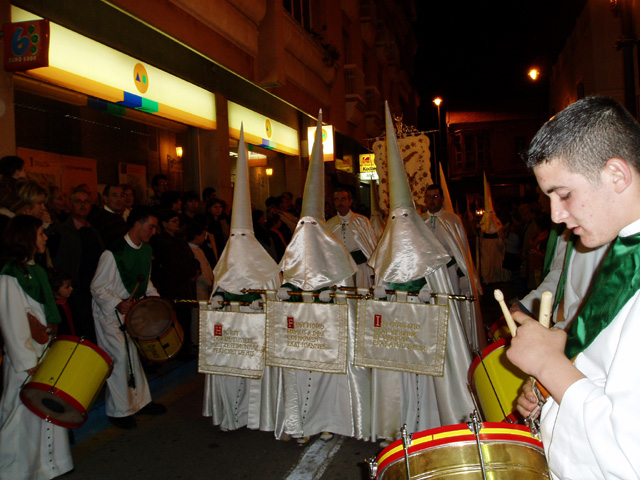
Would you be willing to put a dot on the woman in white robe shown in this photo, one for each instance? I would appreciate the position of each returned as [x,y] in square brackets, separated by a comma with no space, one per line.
[29,446]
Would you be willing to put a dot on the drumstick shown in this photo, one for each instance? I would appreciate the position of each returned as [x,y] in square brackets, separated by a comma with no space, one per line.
[140,280]
[505,311]
[546,302]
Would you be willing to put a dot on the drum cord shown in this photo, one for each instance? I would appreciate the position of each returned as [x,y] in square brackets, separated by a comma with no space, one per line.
[131,383]
[479,354]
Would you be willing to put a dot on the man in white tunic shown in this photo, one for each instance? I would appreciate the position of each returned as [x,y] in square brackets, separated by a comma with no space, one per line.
[448,229]
[234,402]
[122,276]
[587,160]
[315,260]
[410,258]
[356,234]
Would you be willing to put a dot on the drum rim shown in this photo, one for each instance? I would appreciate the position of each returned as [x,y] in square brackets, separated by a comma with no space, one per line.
[503,431]
[485,352]
[71,401]
[83,341]
[154,298]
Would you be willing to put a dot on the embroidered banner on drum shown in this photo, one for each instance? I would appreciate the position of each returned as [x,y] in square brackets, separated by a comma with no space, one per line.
[231,343]
[406,337]
[307,336]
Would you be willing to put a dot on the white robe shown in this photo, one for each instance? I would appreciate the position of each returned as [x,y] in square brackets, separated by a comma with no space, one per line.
[358,234]
[449,230]
[108,291]
[594,432]
[236,402]
[29,446]
[583,264]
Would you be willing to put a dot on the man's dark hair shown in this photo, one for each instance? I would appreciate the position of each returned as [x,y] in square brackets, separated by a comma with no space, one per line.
[585,135]
[155,181]
[189,196]
[140,214]
[10,165]
[193,230]
[19,238]
[108,187]
[433,186]
[344,189]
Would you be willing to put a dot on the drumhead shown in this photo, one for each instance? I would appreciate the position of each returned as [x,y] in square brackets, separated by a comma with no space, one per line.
[150,318]
[50,406]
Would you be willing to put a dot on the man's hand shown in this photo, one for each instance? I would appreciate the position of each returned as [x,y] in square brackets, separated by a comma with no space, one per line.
[527,401]
[124,307]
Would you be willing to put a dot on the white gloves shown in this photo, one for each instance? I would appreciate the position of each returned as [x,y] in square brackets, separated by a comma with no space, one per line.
[379,291]
[283,293]
[256,304]
[215,301]
[325,296]
[424,295]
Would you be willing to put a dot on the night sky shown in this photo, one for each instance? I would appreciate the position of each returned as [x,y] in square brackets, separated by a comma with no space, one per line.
[476,55]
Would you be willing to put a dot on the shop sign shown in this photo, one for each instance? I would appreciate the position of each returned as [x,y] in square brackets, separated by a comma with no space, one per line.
[26,45]
[367,163]
[327,141]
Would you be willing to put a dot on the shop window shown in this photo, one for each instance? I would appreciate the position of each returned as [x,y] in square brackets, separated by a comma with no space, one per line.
[472,151]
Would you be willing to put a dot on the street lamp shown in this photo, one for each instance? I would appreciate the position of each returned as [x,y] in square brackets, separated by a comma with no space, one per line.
[534,73]
[438,101]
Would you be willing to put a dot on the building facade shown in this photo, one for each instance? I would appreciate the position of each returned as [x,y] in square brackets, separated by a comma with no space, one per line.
[128,81]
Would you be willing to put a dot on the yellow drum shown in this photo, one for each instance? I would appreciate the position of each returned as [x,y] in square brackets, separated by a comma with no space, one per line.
[67,381]
[496,382]
[451,453]
[151,322]
[500,330]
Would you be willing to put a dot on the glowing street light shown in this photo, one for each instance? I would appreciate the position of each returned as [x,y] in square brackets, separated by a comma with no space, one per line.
[534,73]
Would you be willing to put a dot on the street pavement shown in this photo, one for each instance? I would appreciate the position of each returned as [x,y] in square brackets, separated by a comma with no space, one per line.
[184,445]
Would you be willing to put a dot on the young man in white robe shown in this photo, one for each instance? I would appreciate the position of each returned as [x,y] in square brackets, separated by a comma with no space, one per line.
[587,160]
[122,276]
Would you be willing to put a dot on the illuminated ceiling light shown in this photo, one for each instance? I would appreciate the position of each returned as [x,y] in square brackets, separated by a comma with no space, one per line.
[179,152]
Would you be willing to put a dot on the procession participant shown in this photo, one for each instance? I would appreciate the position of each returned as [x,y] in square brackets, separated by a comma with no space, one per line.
[159,185]
[324,403]
[377,217]
[449,230]
[587,160]
[235,402]
[492,247]
[410,258]
[30,447]
[122,277]
[356,234]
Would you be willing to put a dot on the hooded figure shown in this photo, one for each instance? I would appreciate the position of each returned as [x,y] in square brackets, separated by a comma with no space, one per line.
[448,228]
[492,246]
[377,217]
[409,257]
[314,260]
[234,402]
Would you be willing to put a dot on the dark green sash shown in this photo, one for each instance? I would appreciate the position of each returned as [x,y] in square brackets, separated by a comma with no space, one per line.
[571,246]
[552,243]
[617,281]
[133,265]
[35,283]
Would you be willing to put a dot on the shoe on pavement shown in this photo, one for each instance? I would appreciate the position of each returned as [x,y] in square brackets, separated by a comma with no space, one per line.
[125,423]
[285,437]
[302,441]
[152,408]
[326,436]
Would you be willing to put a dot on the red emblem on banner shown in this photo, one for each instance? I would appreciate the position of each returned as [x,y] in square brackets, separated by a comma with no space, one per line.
[217,330]
[290,322]
[377,320]
[26,45]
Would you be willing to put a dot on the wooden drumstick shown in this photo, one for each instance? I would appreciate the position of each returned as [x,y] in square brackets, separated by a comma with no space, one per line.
[140,280]
[546,302]
[505,311]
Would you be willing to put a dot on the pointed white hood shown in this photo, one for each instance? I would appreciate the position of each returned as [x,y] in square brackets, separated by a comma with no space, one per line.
[244,262]
[408,249]
[489,223]
[315,258]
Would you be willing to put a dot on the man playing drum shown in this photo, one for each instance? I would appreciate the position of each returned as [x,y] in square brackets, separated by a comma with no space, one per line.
[587,160]
[121,277]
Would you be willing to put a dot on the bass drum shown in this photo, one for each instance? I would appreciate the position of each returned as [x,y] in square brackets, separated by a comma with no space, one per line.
[152,324]
[67,381]
[451,453]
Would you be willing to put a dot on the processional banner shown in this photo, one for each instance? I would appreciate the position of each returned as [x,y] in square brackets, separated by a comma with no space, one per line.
[401,336]
[307,336]
[231,342]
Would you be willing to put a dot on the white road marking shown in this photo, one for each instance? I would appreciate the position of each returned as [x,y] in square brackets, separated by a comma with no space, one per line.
[316,459]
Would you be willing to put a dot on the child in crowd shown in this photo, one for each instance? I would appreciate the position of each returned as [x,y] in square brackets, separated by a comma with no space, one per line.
[62,286]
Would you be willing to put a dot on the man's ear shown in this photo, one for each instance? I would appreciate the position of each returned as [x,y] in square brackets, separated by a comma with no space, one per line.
[619,173]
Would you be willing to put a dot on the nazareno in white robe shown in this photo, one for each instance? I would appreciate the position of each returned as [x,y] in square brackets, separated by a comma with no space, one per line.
[29,446]
[108,291]
[594,432]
